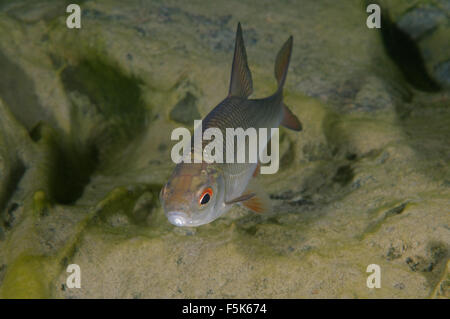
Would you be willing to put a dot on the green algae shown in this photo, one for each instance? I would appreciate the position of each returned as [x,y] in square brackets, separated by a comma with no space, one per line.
[115,95]
[28,277]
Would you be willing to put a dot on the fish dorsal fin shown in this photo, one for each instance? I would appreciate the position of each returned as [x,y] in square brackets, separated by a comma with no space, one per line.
[282,62]
[241,83]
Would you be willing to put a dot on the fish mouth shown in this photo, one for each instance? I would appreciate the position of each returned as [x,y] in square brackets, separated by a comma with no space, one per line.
[178,218]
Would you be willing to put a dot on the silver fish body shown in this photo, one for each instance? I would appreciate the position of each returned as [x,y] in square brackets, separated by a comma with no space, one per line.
[237,112]
[198,193]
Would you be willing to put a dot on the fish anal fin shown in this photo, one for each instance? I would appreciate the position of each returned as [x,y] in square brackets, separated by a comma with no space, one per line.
[289,120]
[241,83]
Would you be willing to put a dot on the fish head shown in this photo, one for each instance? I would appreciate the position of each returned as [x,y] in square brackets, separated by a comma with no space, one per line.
[194,195]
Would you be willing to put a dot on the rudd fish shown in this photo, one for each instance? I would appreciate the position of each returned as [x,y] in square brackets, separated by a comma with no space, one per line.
[198,193]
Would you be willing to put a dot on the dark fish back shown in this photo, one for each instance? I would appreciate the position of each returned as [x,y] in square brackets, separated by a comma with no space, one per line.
[234,112]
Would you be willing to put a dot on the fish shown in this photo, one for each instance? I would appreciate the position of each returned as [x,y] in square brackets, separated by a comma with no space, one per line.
[198,193]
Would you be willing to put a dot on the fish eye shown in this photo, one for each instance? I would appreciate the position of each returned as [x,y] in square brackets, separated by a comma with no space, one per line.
[205,197]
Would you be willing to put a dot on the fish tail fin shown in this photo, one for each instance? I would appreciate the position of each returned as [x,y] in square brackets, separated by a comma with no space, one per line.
[289,120]
[241,83]
[281,67]
[282,62]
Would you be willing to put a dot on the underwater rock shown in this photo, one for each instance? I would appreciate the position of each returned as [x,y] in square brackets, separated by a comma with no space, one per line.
[427,24]
[421,20]
[185,111]
[442,72]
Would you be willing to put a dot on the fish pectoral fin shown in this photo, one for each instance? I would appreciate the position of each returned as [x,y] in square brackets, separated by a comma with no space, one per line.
[289,120]
[255,198]
[257,204]
[243,197]
[241,83]
[257,170]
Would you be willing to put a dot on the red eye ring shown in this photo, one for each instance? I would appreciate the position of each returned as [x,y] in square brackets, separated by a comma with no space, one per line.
[205,196]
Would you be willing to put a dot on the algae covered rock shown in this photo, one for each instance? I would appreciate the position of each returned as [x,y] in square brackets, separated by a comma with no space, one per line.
[185,111]
[85,122]
[427,24]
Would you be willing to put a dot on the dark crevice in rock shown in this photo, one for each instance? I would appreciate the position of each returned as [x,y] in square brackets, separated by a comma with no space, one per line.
[393,254]
[251,230]
[396,210]
[351,156]
[11,182]
[286,195]
[293,199]
[71,173]
[110,115]
[376,224]
[405,53]
[433,265]
[344,175]
[10,217]
[115,95]
[301,202]
[71,164]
